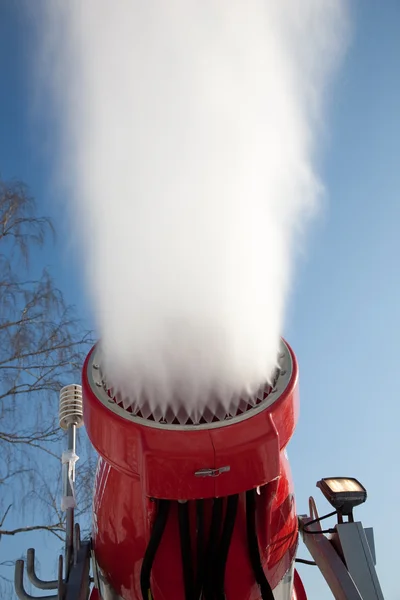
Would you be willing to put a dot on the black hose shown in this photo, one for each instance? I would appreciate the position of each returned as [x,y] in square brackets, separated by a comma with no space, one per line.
[186,551]
[254,551]
[151,550]
[212,548]
[223,550]
[200,547]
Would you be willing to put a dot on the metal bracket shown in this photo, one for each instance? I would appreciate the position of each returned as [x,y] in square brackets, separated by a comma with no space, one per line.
[328,561]
[346,560]
[359,559]
[212,472]
[33,578]
[39,583]
[76,588]
[78,585]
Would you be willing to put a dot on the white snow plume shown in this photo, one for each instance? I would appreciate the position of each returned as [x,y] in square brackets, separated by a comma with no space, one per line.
[190,130]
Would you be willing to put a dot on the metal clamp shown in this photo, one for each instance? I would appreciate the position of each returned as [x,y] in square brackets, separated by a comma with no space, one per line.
[212,472]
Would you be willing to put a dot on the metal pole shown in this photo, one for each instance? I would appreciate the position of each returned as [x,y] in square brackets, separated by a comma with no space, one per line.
[71,431]
[71,418]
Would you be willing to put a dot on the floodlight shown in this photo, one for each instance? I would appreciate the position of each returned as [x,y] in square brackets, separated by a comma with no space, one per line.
[343,493]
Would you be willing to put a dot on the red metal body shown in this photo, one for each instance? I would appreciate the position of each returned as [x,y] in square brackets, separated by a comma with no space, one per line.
[142,462]
[299,593]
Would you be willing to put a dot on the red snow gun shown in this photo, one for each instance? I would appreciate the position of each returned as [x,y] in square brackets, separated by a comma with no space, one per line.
[186,510]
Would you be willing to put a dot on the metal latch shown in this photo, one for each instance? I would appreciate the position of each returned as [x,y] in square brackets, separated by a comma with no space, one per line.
[212,472]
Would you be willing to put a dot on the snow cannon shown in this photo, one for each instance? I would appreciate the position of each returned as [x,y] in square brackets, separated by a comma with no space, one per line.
[199,508]
[186,509]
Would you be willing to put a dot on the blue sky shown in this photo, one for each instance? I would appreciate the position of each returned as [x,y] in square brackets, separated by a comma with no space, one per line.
[343,322]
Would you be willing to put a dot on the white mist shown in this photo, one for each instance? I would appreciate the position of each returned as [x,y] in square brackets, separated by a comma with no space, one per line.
[189,130]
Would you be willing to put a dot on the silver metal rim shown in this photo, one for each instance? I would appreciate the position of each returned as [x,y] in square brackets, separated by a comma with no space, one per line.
[100,391]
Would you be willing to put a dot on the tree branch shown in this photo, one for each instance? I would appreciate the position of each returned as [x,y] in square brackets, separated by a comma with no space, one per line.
[54,529]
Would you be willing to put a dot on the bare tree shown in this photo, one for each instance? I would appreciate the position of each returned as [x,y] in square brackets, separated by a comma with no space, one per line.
[42,347]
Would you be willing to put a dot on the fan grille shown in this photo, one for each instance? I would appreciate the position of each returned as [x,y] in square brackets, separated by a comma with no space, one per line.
[177,417]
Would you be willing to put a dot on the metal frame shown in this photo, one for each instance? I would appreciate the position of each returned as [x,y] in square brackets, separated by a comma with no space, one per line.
[346,559]
[75,583]
[76,587]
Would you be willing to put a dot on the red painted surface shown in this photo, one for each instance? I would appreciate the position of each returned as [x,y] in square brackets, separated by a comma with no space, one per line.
[140,463]
[299,591]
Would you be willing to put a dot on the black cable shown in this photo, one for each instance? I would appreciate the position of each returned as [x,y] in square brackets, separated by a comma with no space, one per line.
[151,550]
[223,550]
[254,551]
[320,531]
[200,547]
[303,561]
[305,527]
[186,550]
[212,547]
